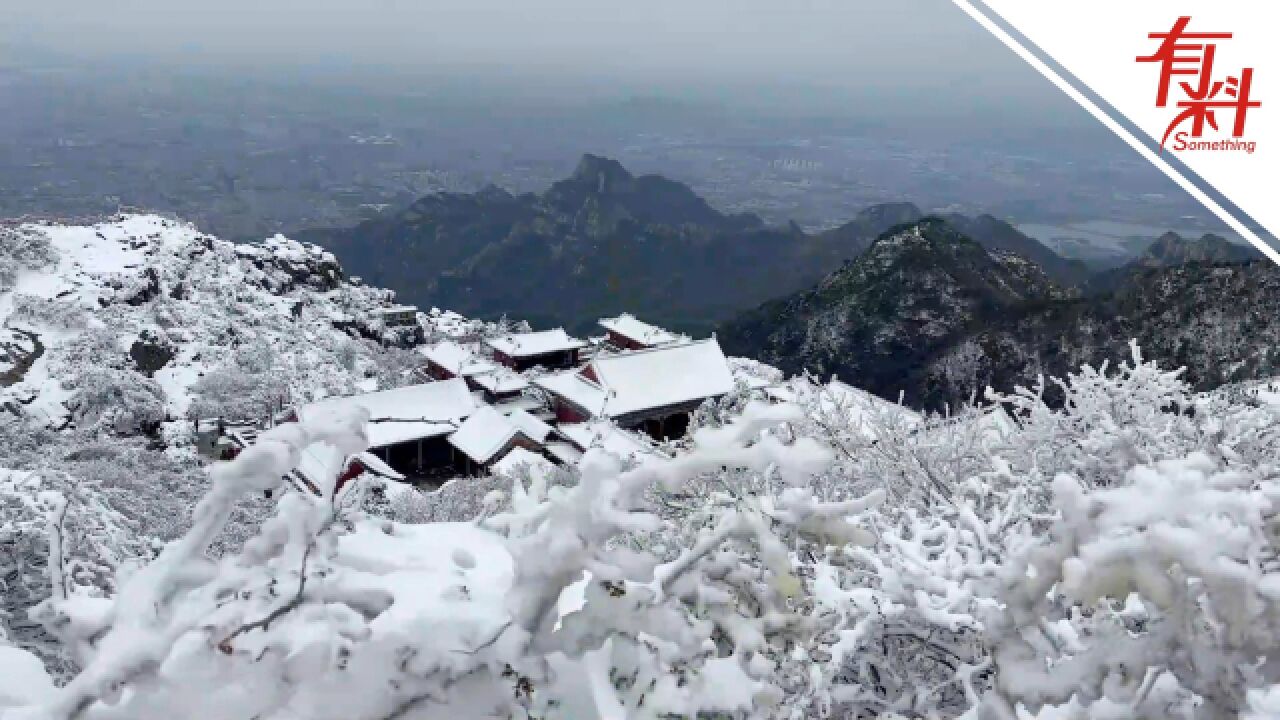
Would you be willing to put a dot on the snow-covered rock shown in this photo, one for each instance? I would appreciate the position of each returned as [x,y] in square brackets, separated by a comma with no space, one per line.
[164,312]
[115,336]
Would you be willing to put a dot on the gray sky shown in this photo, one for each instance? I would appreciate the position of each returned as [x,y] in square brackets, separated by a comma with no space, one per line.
[879,45]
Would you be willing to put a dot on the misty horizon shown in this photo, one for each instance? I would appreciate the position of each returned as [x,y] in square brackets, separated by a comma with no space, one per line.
[867,101]
[919,58]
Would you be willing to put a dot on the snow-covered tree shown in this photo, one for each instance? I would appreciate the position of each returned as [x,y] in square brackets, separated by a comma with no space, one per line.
[833,556]
[119,401]
[657,632]
[22,248]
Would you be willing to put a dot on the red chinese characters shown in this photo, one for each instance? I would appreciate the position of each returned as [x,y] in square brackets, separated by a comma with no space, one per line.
[1191,55]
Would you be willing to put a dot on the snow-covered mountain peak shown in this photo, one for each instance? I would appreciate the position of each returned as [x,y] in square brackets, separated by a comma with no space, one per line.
[150,309]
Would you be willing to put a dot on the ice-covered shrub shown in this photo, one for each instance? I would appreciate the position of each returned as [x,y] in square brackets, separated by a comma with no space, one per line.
[45,312]
[119,401]
[830,557]
[21,249]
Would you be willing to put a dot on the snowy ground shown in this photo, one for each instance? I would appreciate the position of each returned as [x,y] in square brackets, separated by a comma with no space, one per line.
[143,280]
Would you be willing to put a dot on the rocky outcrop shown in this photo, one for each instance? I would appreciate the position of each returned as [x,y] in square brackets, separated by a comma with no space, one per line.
[150,353]
[878,320]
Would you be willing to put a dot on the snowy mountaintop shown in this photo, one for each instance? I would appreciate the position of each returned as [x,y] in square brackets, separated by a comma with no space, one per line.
[163,313]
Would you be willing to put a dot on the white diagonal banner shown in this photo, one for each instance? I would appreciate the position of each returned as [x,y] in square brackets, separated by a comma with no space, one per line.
[1203,77]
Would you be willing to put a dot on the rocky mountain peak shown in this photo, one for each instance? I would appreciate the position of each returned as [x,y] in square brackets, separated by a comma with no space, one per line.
[889,213]
[918,287]
[604,240]
[605,174]
[1173,249]
[933,252]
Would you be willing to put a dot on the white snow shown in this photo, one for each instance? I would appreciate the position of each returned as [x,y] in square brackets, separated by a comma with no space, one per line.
[565,452]
[212,301]
[456,359]
[629,326]
[606,436]
[859,405]
[23,680]
[483,435]
[535,343]
[501,381]
[664,376]
[572,386]
[319,462]
[415,563]
[406,413]
[532,427]
[519,457]
[630,382]
[374,464]
[395,310]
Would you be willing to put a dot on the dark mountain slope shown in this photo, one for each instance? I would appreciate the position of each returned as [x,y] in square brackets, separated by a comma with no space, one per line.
[880,319]
[925,313]
[599,242]
[615,195]
[1217,321]
[1169,250]
[995,234]
[1173,249]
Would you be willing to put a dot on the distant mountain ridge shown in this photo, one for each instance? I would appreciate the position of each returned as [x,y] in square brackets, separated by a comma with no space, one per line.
[604,241]
[879,319]
[929,313]
[995,234]
[1173,249]
[1170,250]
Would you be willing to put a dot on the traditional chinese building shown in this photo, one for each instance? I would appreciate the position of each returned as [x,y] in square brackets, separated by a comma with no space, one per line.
[408,426]
[626,332]
[398,315]
[487,436]
[602,434]
[318,464]
[654,390]
[321,463]
[500,385]
[547,348]
[448,360]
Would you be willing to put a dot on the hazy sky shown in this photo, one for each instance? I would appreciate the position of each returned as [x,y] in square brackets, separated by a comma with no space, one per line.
[908,47]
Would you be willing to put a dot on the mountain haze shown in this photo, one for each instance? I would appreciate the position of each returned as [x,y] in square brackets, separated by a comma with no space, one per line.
[1170,250]
[603,241]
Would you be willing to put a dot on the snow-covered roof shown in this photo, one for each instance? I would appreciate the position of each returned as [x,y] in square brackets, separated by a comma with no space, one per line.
[627,325]
[483,435]
[501,381]
[395,309]
[565,452]
[456,359]
[320,463]
[631,382]
[535,343]
[408,413]
[519,456]
[529,404]
[606,436]
[374,464]
[572,386]
[532,427]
